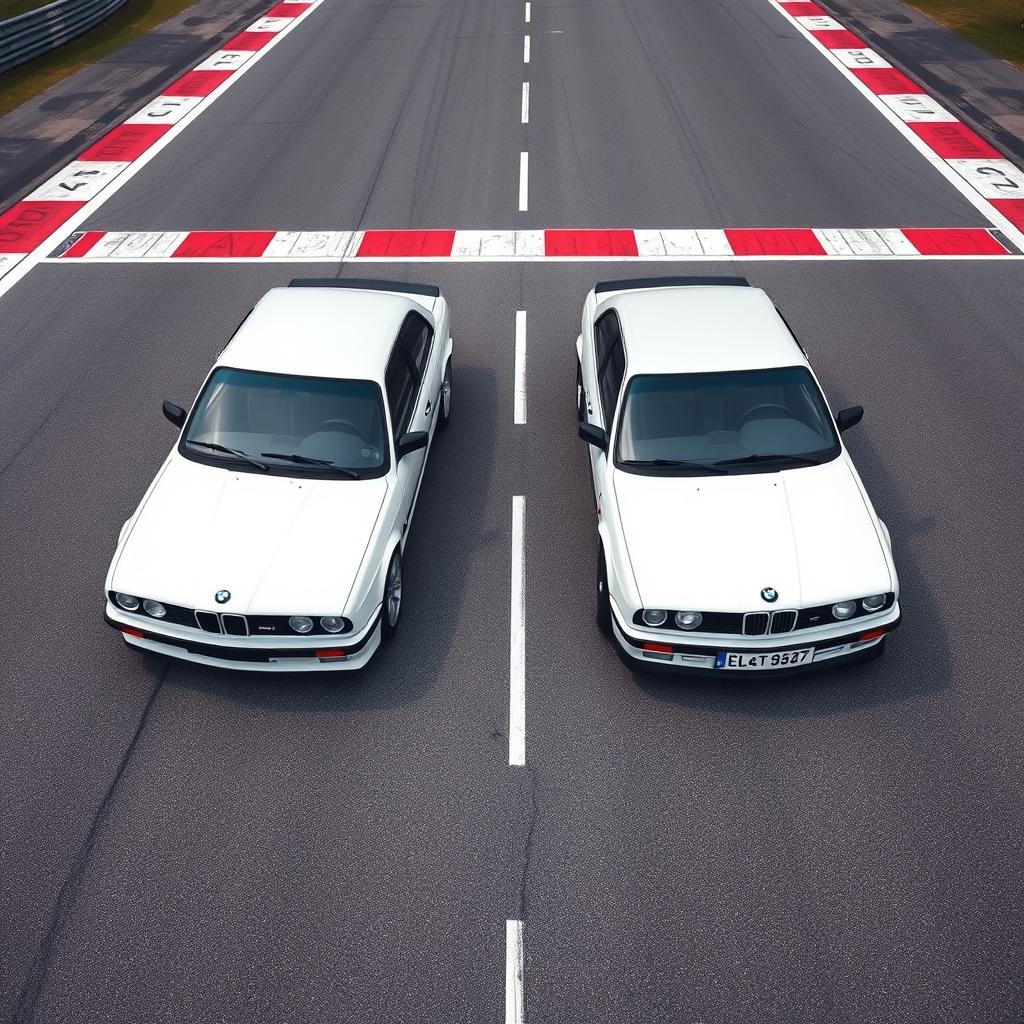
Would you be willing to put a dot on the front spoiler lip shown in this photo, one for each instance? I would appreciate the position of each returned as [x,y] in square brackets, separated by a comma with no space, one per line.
[256,655]
[630,647]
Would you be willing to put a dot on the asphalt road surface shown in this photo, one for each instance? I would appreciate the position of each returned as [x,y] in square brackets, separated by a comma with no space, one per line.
[184,844]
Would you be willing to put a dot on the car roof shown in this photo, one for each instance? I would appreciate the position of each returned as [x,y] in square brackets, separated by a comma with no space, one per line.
[701,329]
[320,332]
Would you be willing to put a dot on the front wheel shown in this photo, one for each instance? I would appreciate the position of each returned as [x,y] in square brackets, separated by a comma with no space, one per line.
[445,412]
[581,413]
[604,604]
[391,611]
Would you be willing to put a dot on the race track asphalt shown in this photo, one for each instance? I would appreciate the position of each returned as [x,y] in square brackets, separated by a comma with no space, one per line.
[185,844]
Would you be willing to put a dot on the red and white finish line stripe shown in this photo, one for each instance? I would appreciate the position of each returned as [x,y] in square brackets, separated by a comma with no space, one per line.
[993,184]
[545,244]
[107,164]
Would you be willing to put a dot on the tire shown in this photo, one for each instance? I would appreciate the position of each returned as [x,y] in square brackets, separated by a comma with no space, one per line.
[445,398]
[580,411]
[604,604]
[391,608]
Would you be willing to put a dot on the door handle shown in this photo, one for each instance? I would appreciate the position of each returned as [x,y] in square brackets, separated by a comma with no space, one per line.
[426,411]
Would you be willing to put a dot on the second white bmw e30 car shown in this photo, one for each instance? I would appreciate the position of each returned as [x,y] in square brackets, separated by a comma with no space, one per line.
[271,538]
[735,532]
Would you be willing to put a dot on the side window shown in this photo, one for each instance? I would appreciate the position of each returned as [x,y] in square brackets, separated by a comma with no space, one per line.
[401,390]
[606,331]
[611,363]
[611,382]
[414,336]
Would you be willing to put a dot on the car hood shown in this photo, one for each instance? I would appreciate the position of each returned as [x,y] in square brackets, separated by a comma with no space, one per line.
[712,543]
[280,545]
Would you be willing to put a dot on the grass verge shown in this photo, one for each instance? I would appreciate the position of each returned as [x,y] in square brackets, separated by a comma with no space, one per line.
[136,17]
[994,25]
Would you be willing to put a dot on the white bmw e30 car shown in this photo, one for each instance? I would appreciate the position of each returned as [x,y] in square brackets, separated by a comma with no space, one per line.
[735,532]
[271,538]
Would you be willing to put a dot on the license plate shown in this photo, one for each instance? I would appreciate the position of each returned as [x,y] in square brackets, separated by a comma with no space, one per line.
[771,659]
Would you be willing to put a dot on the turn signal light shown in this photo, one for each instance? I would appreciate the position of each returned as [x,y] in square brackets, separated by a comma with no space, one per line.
[871,634]
[128,631]
[332,655]
[658,648]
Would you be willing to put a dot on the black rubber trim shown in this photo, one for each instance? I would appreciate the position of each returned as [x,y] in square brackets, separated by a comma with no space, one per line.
[832,641]
[261,655]
[668,282]
[366,284]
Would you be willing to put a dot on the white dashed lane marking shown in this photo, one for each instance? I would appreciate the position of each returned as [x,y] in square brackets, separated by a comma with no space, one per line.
[517,637]
[524,180]
[519,412]
[514,971]
[526,102]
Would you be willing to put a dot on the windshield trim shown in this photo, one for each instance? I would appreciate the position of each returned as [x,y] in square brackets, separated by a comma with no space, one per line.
[823,456]
[287,469]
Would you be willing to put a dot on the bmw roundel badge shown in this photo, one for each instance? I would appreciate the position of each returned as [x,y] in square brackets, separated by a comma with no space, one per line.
[223,596]
[770,594]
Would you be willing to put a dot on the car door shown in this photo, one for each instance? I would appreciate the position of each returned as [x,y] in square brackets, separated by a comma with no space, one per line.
[402,389]
[609,368]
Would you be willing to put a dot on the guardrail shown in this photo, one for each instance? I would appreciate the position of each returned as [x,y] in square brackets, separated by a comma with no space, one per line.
[36,32]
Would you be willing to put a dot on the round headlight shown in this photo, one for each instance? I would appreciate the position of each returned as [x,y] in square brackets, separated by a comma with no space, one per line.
[688,620]
[301,623]
[874,603]
[654,616]
[332,623]
[154,608]
[127,602]
[844,609]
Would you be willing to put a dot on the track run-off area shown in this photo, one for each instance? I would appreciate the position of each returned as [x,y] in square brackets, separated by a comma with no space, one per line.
[497,819]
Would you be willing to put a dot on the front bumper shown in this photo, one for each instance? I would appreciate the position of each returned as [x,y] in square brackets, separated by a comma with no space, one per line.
[253,654]
[700,655]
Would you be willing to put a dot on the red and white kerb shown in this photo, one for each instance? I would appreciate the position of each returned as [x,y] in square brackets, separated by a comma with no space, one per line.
[993,178]
[30,222]
[543,244]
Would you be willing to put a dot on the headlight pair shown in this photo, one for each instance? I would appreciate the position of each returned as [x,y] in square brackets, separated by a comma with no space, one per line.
[131,603]
[655,617]
[845,609]
[328,623]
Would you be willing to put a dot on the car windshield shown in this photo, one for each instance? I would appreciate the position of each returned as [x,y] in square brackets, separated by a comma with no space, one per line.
[745,421]
[299,426]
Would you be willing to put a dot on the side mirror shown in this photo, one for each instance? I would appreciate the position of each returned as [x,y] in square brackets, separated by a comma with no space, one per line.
[594,435]
[175,414]
[411,442]
[849,417]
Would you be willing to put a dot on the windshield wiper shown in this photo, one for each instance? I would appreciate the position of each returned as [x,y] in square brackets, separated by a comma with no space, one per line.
[796,460]
[245,456]
[702,467]
[305,460]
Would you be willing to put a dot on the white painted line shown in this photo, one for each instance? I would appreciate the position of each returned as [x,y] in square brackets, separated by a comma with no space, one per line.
[524,179]
[526,102]
[517,638]
[519,415]
[526,49]
[514,1010]
[527,12]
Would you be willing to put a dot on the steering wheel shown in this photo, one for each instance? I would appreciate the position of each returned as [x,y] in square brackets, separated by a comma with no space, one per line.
[345,427]
[754,413]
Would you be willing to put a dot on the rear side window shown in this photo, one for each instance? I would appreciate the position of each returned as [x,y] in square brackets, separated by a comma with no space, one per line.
[611,382]
[414,336]
[611,363]
[401,390]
